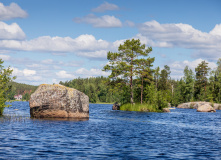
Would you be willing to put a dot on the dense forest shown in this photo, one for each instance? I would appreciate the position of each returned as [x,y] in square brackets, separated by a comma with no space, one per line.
[134,80]
[20,89]
[203,84]
[95,87]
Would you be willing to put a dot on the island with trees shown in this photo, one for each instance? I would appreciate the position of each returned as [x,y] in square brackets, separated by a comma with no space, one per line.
[137,86]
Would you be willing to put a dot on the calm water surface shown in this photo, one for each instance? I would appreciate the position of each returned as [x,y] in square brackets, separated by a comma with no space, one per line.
[181,134]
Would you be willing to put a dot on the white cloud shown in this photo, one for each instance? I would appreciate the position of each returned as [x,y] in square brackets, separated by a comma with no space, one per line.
[83,43]
[183,36]
[216,30]
[48,61]
[28,72]
[26,76]
[92,72]
[24,72]
[11,32]
[11,11]
[106,7]
[101,54]
[64,75]
[129,23]
[5,57]
[105,21]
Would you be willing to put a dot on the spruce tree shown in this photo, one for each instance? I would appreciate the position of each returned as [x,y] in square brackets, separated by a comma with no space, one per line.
[202,71]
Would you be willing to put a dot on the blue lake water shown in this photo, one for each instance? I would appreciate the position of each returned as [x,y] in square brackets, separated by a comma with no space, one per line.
[180,134]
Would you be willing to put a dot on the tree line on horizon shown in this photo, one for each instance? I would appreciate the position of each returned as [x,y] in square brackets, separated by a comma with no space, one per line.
[202,85]
[134,80]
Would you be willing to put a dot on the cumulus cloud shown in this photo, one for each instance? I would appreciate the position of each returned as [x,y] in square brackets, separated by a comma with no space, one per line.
[28,72]
[105,21]
[11,32]
[101,54]
[91,73]
[24,72]
[11,11]
[64,75]
[5,57]
[26,76]
[106,7]
[181,35]
[216,30]
[57,44]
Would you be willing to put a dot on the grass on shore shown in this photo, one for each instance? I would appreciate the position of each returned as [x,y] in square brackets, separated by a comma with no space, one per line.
[139,108]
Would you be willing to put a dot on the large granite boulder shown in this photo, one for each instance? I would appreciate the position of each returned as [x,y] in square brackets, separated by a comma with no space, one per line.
[184,105]
[206,108]
[57,101]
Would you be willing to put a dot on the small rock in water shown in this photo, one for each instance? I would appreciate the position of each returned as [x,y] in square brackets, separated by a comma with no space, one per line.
[116,106]
[166,110]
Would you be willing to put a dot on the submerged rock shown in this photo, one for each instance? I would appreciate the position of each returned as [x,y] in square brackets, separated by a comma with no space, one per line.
[166,110]
[57,101]
[206,108]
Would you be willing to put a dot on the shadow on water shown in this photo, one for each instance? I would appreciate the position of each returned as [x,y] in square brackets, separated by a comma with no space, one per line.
[61,119]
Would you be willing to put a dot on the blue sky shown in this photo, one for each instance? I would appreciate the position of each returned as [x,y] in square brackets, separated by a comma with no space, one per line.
[51,41]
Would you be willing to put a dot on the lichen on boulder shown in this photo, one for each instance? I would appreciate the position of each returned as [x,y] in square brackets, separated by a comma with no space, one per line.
[57,101]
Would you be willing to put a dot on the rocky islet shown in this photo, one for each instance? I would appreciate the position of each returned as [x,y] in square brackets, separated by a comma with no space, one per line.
[58,101]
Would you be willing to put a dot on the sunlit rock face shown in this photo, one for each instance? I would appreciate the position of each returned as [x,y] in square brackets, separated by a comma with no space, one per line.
[205,108]
[57,101]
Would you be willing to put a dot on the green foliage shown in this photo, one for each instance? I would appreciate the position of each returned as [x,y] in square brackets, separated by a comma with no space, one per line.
[124,64]
[139,107]
[132,79]
[20,88]
[202,71]
[155,98]
[144,72]
[164,81]
[26,97]
[98,89]
[5,78]
[188,87]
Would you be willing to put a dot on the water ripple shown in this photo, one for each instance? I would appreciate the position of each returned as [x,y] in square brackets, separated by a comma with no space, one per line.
[181,134]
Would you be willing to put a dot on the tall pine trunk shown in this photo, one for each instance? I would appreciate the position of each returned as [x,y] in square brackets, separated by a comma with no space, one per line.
[131,90]
[141,99]
[131,82]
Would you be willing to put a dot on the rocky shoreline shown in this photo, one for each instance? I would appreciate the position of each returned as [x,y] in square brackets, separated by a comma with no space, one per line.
[197,105]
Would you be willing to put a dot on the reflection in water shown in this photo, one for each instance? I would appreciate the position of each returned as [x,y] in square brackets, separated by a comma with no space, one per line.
[61,119]
[181,134]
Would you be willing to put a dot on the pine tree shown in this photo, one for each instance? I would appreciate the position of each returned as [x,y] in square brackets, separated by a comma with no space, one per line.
[144,72]
[122,64]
